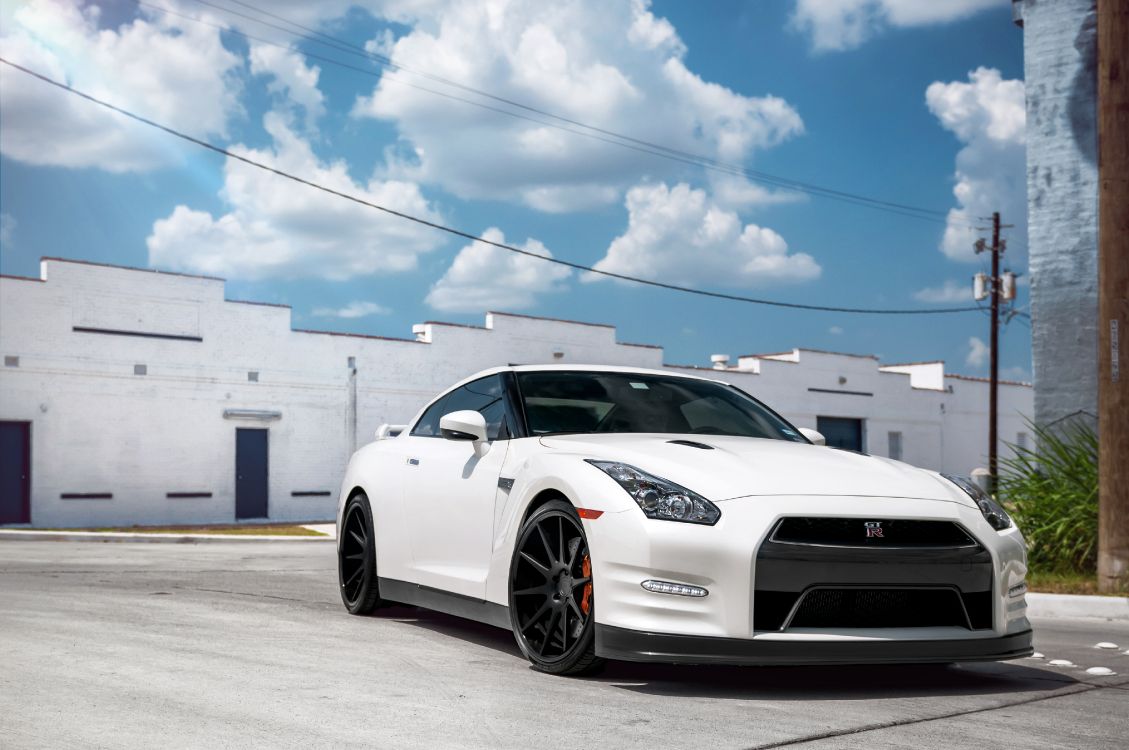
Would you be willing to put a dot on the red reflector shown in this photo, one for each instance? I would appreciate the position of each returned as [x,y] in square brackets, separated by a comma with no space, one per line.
[588,513]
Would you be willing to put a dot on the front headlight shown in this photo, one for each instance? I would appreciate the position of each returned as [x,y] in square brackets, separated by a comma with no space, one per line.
[993,512]
[658,497]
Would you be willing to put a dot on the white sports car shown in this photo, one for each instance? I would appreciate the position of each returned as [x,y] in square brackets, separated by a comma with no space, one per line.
[616,513]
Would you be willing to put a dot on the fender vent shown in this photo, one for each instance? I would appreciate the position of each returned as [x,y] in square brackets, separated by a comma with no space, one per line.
[691,444]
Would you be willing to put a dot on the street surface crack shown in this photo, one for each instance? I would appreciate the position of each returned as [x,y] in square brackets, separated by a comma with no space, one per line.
[1083,688]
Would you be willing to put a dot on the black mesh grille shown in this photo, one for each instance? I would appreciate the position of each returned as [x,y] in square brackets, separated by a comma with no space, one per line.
[879,608]
[867,532]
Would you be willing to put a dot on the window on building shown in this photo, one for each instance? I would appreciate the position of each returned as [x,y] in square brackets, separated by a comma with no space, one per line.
[140,370]
[1021,441]
[10,361]
[485,396]
[252,376]
[895,440]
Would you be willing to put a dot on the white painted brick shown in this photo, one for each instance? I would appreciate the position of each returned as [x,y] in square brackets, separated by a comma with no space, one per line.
[97,427]
[1059,68]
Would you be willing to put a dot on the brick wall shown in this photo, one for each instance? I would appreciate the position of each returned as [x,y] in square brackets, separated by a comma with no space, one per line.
[1059,67]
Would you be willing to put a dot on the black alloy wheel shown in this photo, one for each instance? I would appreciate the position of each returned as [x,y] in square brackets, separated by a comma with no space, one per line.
[356,558]
[551,604]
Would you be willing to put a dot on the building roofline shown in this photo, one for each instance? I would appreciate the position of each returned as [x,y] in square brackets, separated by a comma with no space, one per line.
[453,325]
[357,335]
[808,349]
[262,304]
[129,268]
[552,320]
[641,346]
[767,354]
[976,379]
[709,369]
[910,364]
[19,278]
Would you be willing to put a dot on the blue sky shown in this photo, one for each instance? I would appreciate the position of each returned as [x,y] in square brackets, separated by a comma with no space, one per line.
[832,94]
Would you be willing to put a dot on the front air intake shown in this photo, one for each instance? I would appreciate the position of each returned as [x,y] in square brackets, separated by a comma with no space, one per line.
[878,608]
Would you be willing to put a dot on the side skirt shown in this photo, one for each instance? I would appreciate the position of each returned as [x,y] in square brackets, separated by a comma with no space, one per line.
[444,601]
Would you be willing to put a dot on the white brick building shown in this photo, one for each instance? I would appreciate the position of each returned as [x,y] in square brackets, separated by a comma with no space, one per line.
[132,388]
[1060,68]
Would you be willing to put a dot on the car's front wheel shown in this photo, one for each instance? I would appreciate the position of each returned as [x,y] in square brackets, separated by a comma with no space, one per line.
[356,558]
[551,593]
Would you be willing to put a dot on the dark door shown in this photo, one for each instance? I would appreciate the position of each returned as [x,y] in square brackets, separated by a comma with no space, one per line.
[250,473]
[15,472]
[841,432]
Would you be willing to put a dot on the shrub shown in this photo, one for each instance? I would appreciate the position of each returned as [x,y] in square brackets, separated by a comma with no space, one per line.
[1052,491]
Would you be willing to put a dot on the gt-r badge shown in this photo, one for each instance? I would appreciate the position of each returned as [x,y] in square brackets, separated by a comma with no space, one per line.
[873,529]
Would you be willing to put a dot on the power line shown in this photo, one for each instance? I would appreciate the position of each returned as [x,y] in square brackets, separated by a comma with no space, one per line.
[468,235]
[590,131]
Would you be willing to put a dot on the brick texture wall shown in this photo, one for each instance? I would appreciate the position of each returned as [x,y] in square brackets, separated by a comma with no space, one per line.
[1059,67]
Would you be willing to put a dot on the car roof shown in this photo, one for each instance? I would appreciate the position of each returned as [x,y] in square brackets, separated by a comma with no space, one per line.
[584,368]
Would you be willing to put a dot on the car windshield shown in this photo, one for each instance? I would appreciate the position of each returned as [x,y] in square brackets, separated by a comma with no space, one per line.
[595,402]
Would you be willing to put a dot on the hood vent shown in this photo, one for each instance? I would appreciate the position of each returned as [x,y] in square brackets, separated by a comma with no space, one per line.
[691,444]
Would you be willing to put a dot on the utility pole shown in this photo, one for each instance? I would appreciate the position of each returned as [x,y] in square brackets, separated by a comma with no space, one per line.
[996,287]
[994,385]
[1113,295]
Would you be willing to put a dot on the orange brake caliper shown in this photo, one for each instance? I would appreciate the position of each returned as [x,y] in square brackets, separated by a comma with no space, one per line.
[586,597]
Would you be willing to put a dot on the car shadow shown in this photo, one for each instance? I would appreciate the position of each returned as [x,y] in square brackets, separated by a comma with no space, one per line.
[848,682]
[470,631]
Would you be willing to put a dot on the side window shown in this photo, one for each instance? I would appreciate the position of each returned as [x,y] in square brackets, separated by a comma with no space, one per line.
[485,396]
[428,424]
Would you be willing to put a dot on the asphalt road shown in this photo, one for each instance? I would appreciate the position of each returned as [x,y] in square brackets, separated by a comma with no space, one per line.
[246,644]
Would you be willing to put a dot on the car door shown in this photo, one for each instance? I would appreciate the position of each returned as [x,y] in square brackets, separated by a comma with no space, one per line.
[449,490]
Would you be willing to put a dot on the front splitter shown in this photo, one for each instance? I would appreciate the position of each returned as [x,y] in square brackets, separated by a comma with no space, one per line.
[634,645]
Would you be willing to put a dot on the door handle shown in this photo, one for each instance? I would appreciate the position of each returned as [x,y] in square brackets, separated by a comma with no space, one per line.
[413,462]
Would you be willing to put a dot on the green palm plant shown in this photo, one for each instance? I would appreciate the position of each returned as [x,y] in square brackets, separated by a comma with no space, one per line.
[1052,490]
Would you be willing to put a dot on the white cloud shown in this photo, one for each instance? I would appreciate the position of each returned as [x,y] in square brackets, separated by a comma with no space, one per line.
[291,78]
[846,24]
[613,65]
[835,330]
[978,353]
[279,229]
[679,234]
[172,71]
[7,228]
[1021,374]
[484,277]
[358,309]
[988,115]
[950,291]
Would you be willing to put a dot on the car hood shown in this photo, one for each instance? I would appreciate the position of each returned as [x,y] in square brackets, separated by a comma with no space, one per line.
[735,467]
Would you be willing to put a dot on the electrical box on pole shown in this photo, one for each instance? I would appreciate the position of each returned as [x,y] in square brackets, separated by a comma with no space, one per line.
[1007,286]
[980,287]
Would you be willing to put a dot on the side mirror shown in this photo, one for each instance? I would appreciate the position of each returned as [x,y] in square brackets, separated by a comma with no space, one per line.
[813,435]
[463,425]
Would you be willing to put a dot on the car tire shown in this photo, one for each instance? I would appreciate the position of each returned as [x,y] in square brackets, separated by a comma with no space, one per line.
[356,558]
[552,610]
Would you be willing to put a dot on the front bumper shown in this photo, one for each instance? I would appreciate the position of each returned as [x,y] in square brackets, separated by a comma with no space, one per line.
[635,645]
[628,548]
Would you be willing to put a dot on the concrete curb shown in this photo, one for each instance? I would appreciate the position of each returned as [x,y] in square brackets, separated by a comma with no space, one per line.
[1077,605]
[30,535]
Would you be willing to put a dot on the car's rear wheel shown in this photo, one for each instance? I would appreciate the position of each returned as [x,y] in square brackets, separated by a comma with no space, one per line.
[356,558]
[551,593]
